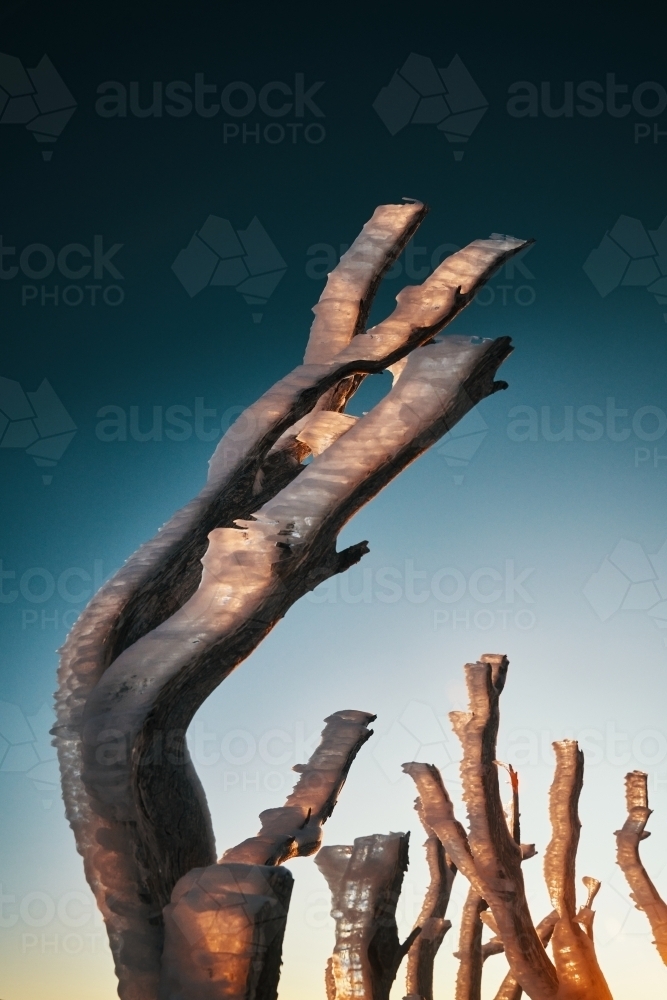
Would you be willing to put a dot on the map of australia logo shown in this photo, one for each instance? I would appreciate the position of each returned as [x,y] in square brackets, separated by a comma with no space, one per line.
[36,98]
[420,94]
[244,259]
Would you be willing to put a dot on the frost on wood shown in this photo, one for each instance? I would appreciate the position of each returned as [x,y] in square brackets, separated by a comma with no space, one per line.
[490,858]
[162,633]
[365,882]
[431,920]
[225,923]
[642,891]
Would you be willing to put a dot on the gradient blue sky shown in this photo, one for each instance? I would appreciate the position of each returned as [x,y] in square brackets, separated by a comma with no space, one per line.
[547,513]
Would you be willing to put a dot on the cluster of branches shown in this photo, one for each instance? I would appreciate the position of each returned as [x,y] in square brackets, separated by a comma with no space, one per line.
[225,924]
[189,606]
[194,602]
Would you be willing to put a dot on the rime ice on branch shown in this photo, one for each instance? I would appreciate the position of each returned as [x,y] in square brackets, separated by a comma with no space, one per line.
[642,891]
[489,857]
[365,882]
[225,924]
[431,920]
[161,635]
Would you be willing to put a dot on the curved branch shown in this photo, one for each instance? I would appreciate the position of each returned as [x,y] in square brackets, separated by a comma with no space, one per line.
[151,646]
[470,956]
[225,923]
[431,921]
[643,893]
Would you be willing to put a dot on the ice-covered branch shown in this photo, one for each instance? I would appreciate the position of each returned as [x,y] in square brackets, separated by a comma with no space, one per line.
[365,882]
[643,893]
[497,856]
[160,636]
[579,974]
[225,923]
[509,988]
[490,858]
[469,954]
[431,921]
[295,829]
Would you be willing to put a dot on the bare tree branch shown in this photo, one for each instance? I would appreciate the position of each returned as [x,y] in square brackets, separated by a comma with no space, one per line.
[295,829]
[431,920]
[490,858]
[509,988]
[469,974]
[157,639]
[472,953]
[497,856]
[225,923]
[365,882]
[642,891]
[579,974]
[223,933]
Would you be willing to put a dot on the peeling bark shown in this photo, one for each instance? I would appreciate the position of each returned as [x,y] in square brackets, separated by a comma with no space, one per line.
[365,882]
[642,891]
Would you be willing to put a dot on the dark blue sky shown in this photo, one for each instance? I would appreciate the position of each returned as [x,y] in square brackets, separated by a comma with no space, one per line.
[266,112]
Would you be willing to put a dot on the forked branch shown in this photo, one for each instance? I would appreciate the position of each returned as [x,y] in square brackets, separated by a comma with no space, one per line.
[161,635]
[490,858]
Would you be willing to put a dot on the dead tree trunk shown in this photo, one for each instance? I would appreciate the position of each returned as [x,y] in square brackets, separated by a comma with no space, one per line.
[490,858]
[225,923]
[642,891]
[161,635]
[365,882]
